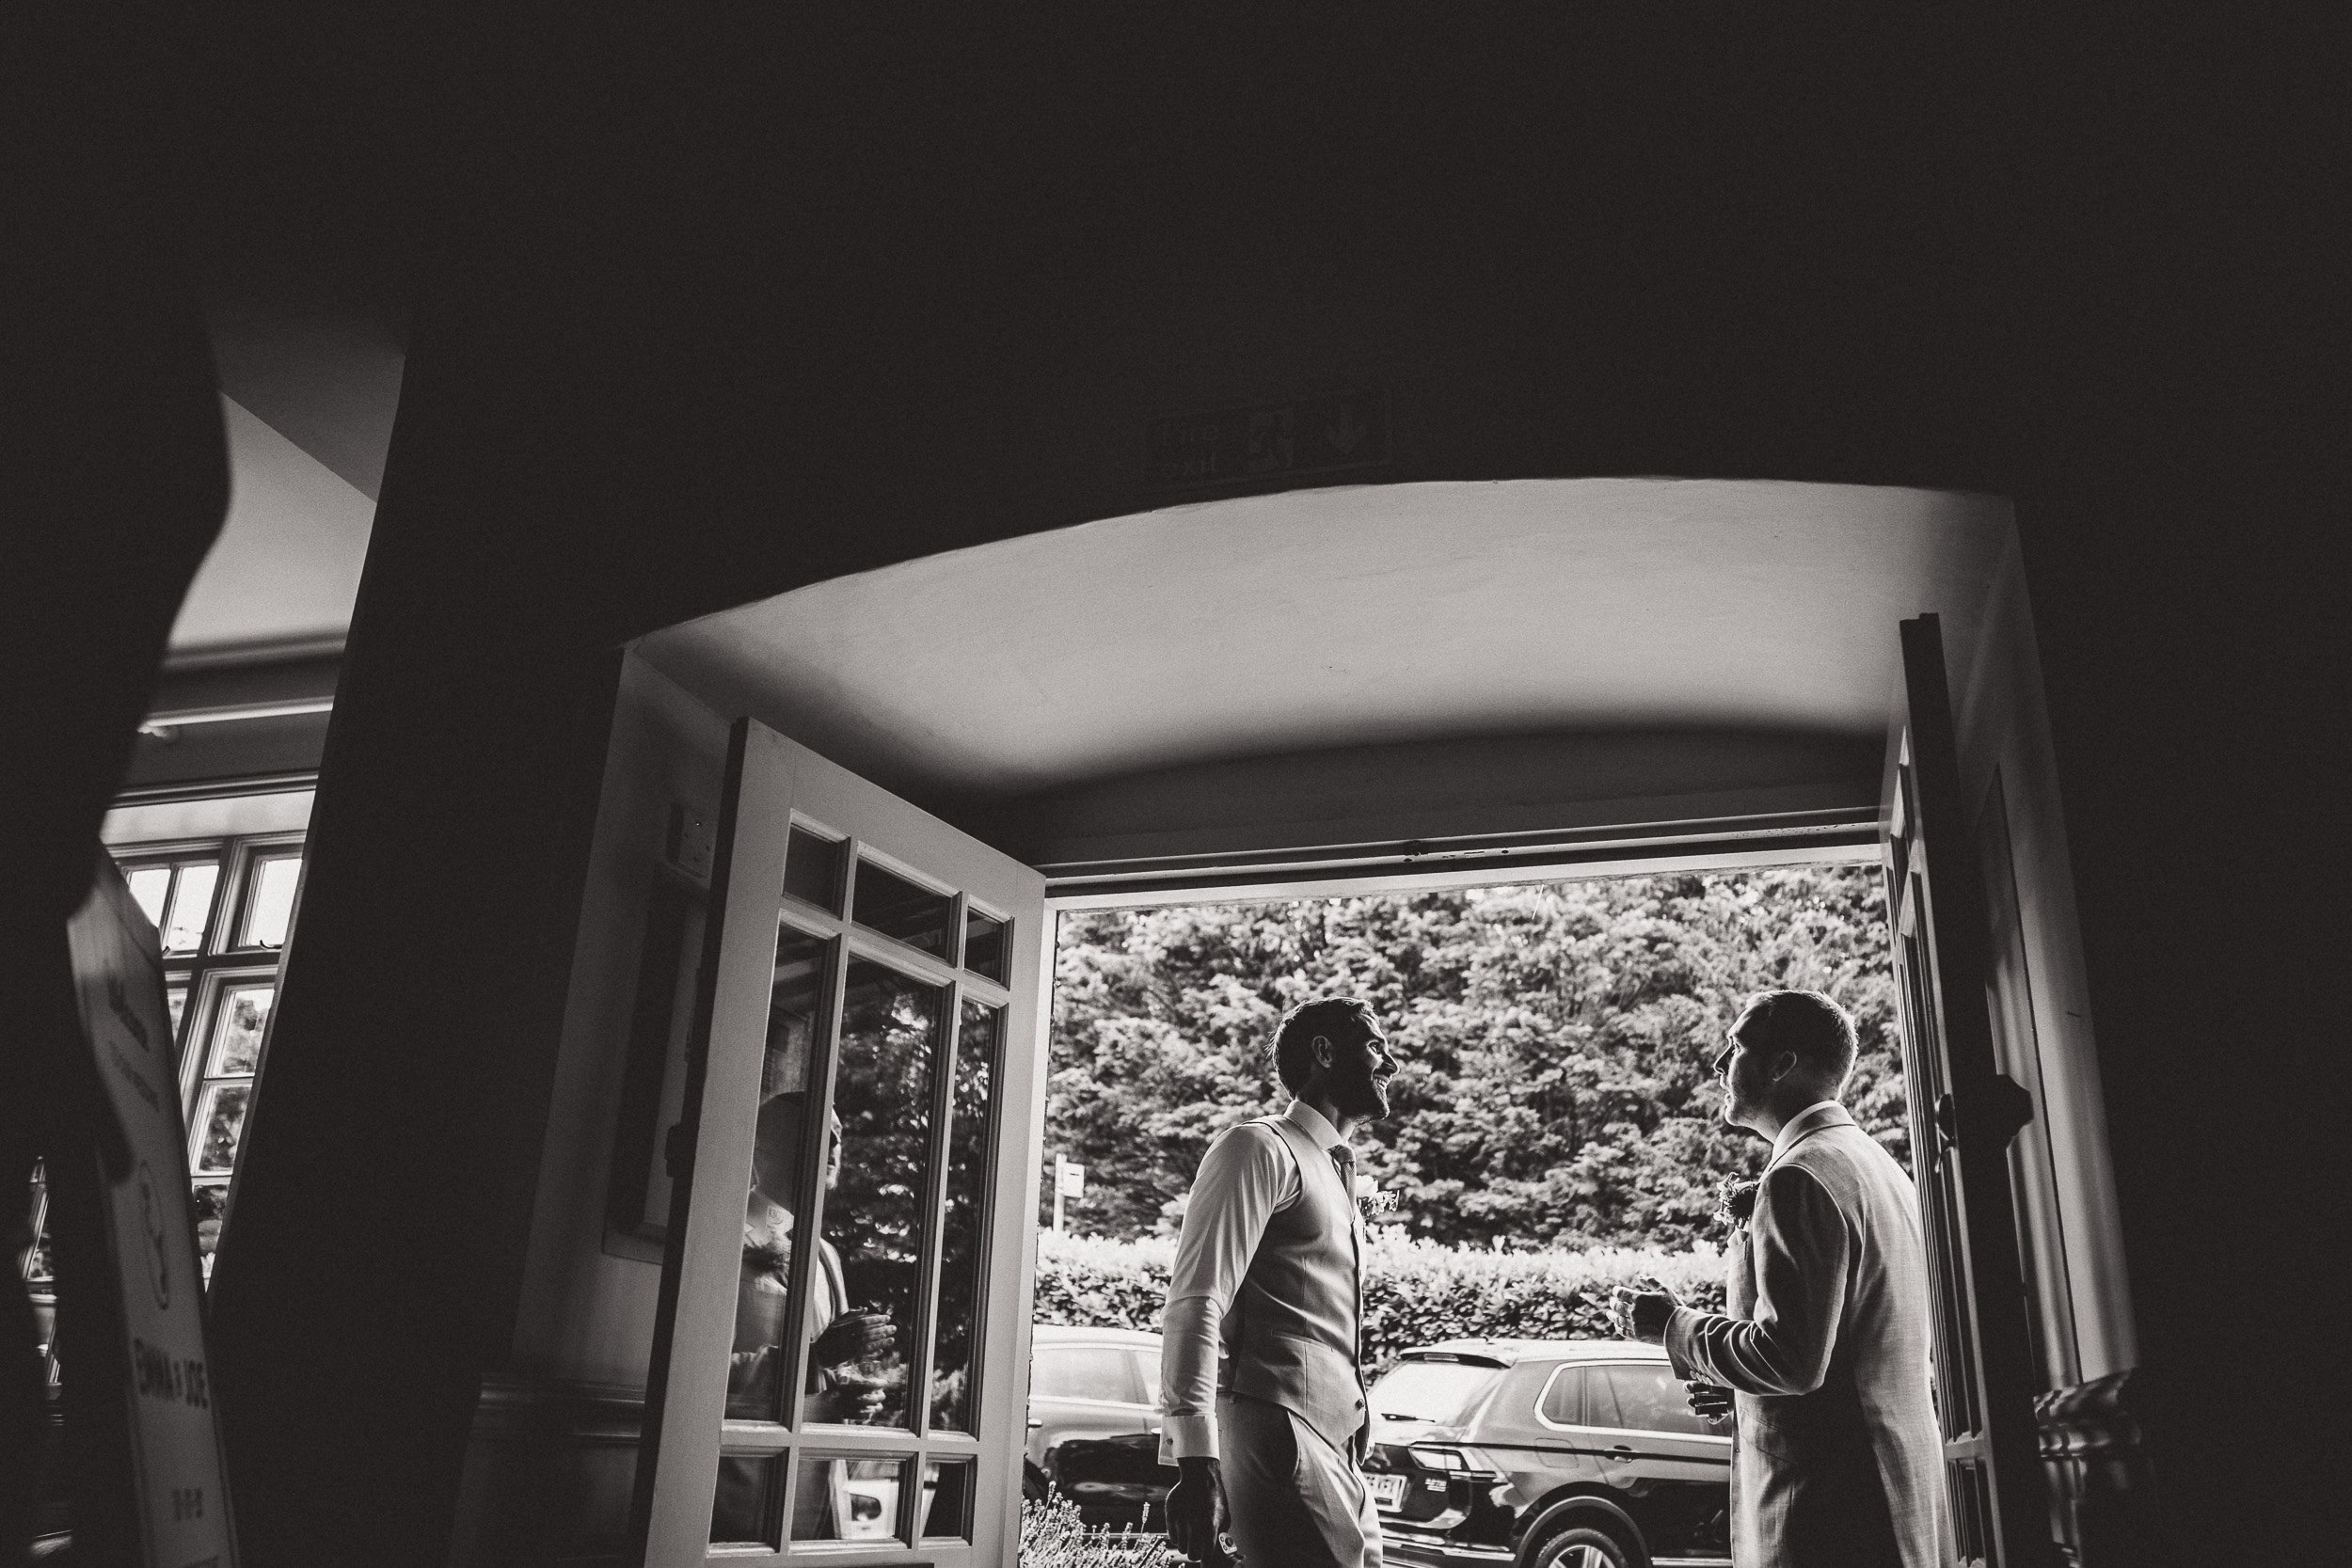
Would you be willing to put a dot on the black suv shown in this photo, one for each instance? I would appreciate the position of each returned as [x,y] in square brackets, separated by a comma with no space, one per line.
[1547,1453]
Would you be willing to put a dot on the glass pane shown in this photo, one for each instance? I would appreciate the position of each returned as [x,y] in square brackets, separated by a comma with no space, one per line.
[1148,1365]
[149,884]
[176,998]
[812,869]
[946,1500]
[898,908]
[779,1176]
[963,1241]
[210,1202]
[1084,1372]
[270,905]
[237,1034]
[221,1118]
[191,906]
[838,1497]
[1652,1399]
[745,1510]
[1439,1391]
[1563,1402]
[983,944]
[890,1027]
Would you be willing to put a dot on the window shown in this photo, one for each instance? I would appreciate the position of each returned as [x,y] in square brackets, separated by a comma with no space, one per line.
[1439,1391]
[1562,1402]
[224,907]
[1641,1398]
[1082,1373]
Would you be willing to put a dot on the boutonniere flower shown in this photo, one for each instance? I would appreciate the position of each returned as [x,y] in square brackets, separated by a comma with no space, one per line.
[1372,1200]
[1734,1200]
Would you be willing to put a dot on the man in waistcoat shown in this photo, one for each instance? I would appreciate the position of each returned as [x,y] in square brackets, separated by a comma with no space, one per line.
[1262,1385]
[1838,1462]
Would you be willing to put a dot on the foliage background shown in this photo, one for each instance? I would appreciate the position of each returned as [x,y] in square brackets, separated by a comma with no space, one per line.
[1555,1092]
[1416,1292]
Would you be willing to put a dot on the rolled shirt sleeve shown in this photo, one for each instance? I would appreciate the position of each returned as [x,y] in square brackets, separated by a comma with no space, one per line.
[1245,1175]
[1801,1255]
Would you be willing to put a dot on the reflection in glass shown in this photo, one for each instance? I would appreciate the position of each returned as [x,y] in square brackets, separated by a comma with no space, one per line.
[778,1177]
[983,944]
[967,1226]
[838,1497]
[176,998]
[898,908]
[890,1026]
[746,1513]
[270,905]
[149,884]
[946,1500]
[222,1119]
[812,869]
[237,1036]
[191,906]
[208,1200]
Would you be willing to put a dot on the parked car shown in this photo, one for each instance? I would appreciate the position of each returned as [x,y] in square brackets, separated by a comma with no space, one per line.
[1546,1453]
[1094,1424]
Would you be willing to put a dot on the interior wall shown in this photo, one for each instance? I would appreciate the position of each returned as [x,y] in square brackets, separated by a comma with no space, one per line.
[547,1461]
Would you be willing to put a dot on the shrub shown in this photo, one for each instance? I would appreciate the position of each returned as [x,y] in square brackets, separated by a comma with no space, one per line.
[1416,1292]
[1053,1537]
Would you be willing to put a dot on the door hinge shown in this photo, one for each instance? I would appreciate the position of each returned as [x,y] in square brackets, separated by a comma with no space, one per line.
[1988,1118]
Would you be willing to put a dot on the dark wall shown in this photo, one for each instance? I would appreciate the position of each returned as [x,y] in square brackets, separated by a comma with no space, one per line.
[713,310]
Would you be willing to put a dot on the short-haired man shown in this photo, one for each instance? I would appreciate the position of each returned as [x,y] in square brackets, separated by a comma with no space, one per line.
[1262,1387]
[1839,1462]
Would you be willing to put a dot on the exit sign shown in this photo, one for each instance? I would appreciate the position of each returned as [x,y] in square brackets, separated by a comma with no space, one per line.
[1314,434]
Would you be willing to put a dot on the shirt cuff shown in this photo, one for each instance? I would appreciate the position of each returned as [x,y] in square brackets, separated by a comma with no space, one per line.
[1187,1437]
[1683,1329]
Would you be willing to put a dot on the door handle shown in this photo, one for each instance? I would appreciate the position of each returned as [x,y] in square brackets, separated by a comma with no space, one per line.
[1035,1423]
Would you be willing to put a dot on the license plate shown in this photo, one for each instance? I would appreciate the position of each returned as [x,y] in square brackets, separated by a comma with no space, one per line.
[1388,1491]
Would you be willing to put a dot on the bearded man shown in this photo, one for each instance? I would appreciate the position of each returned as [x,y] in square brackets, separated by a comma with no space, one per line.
[1263,1385]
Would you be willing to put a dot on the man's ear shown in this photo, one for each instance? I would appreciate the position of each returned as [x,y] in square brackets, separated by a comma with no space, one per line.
[1322,1050]
[1784,1064]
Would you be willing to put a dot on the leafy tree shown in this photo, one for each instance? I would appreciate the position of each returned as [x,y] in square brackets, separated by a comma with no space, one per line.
[1556,1040]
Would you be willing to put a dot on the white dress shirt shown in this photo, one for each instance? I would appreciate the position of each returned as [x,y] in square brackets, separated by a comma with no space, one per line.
[1243,1180]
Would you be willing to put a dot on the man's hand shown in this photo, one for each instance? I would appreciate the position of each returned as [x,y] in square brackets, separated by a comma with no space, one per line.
[1710,1401]
[1196,1513]
[853,1336]
[1642,1314]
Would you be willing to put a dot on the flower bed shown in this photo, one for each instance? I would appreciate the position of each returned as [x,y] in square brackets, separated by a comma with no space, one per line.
[1415,1293]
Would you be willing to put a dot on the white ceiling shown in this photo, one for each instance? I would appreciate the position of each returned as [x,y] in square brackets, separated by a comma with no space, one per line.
[285,570]
[1356,616]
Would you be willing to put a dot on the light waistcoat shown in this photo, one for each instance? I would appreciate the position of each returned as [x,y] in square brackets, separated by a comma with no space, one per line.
[1291,1336]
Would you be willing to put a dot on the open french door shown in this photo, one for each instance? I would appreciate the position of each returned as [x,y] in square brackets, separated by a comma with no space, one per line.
[837,1366]
[1964,1112]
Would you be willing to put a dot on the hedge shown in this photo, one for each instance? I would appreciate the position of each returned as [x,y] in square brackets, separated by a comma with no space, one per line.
[1416,1292]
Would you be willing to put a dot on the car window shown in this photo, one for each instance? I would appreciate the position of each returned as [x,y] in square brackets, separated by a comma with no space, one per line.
[1148,1365]
[1644,1398]
[1439,1391]
[1082,1373]
[1563,1396]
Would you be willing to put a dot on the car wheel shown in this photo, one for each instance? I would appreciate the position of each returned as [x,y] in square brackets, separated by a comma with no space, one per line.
[1582,1547]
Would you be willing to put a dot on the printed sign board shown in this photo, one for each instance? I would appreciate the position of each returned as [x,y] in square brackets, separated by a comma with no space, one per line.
[150,1237]
[1332,430]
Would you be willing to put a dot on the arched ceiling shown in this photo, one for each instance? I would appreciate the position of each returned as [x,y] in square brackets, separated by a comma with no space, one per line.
[1366,616]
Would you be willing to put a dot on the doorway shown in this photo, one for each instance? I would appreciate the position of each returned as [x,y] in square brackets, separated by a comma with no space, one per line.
[1397,687]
